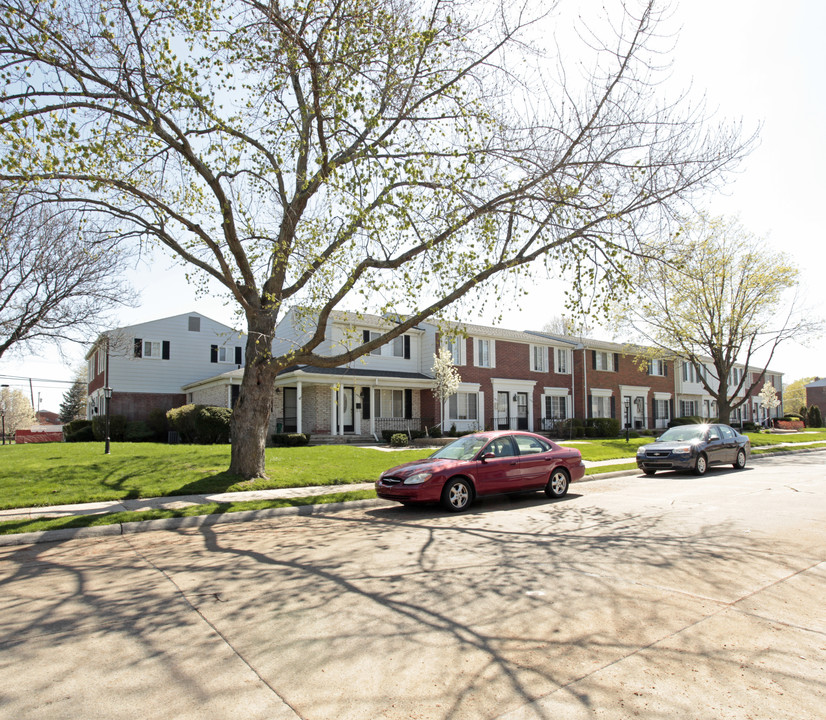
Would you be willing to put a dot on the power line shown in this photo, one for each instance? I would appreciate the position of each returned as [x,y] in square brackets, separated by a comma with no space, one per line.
[38,380]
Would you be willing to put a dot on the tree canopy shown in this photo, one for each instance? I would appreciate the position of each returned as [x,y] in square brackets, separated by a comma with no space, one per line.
[327,154]
[57,281]
[714,290]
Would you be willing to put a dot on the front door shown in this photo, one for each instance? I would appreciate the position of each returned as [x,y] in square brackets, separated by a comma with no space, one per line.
[347,410]
[503,419]
[290,409]
[521,411]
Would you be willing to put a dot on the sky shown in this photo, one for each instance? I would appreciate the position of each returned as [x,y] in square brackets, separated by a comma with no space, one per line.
[757,61]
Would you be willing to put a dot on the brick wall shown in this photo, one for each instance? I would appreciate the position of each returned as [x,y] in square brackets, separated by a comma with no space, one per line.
[215,395]
[816,396]
[137,406]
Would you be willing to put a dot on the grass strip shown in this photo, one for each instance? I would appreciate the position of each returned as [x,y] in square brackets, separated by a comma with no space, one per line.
[13,527]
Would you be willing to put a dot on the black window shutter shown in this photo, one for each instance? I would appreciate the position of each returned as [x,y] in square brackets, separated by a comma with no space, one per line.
[238,355]
[365,403]
[594,359]
[365,336]
[616,364]
[234,392]
[654,409]
[213,353]
[590,407]
[613,407]
[138,347]
[165,350]
[650,367]
[407,347]
[408,403]
[665,369]
[671,408]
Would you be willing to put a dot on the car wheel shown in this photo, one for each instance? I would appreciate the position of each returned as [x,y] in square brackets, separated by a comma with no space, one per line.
[701,465]
[456,495]
[740,462]
[557,484]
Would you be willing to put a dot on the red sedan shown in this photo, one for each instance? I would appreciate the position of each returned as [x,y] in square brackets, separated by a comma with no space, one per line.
[487,463]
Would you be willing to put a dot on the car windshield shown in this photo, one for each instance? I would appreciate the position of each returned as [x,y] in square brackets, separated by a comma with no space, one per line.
[685,433]
[462,449]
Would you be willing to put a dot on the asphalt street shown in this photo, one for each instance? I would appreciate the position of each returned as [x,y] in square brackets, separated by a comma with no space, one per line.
[665,597]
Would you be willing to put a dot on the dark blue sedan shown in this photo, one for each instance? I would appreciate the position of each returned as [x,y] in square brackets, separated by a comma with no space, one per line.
[694,448]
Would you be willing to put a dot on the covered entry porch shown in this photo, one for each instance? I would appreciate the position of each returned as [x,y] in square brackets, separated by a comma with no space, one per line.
[352,404]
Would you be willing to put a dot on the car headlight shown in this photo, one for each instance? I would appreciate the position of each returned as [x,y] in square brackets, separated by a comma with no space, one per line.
[682,450]
[641,450]
[418,478]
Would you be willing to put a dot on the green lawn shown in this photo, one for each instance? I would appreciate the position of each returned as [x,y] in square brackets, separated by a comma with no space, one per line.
[61,473]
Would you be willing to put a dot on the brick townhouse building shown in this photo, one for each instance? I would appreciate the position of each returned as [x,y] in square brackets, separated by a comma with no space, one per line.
[509,379]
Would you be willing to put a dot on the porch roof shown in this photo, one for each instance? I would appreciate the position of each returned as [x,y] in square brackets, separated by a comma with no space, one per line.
[297,371]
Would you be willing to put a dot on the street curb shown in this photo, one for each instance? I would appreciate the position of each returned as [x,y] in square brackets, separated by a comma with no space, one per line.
[197,521]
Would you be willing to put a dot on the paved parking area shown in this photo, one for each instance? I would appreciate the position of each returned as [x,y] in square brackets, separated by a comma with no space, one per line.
[664,597]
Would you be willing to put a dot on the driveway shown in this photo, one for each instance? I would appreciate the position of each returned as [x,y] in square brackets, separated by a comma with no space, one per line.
[665,597]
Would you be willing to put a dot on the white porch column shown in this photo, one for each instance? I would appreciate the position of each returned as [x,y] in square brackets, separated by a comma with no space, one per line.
[333,416]
[298,406]
[340,409]
[372,391]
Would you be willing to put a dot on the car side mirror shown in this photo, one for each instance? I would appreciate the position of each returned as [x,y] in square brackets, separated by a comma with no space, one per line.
[487,456]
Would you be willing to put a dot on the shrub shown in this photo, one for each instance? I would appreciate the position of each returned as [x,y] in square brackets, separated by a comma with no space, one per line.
[200,424]
[590,431]
[158,424]
[605,427]
[750,427]
[398,440]
[78,431]
[138,431]
[117,427]
[290,439]
[814,418]
[793,416]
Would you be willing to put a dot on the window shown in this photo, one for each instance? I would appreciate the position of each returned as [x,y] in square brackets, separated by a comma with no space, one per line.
[456,348]
[389,404]
[484,353]
[225,354]
[194,324]
[562,361]
[600,406]
[688,408]
[657,367]
[539,358]
[91,368]
[368,336]
[401,346]
[604,361]
[556,407]
[152,349]
[530,446]
[661,409]
[463,406]
[101,361]
[501,447]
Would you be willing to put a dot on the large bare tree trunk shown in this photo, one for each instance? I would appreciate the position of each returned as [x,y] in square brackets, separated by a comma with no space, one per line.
[251,415]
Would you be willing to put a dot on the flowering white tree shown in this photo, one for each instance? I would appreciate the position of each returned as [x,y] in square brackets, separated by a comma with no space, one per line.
[768,397]
[446,380]
[16,409]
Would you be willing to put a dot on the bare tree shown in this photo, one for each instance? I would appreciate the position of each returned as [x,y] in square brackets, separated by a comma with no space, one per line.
[57,282]
[715,290]
[386,154]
